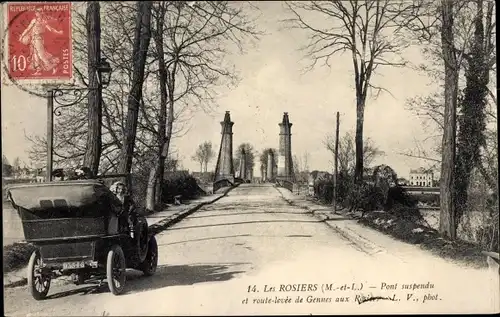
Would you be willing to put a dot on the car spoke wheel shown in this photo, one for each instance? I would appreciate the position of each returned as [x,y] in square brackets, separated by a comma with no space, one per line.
[148,267]
[142,241]
[38,281]
[115,270]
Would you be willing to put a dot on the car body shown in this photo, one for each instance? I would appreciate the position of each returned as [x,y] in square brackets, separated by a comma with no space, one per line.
[79,228]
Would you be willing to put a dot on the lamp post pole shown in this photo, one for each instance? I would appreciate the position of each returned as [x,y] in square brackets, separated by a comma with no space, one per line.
[336,169]
[50,133]
[67,97]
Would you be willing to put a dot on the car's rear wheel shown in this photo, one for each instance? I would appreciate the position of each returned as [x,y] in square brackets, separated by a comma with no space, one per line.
[115,270]
[38,281]
[148,267]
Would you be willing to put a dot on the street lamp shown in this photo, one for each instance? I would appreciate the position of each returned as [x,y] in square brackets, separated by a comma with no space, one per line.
[67,97]
[104,73]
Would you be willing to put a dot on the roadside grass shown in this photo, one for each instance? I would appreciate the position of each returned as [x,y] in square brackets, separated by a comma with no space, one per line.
[412,232]
[16,256]
[408,231]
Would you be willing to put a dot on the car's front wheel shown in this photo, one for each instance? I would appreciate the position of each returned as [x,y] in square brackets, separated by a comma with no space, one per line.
[148,266]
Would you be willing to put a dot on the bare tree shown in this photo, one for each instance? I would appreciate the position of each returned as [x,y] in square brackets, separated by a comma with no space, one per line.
[447,216]
[71,124]
[204,154]
[16,165]
[139,53]
[451,33]
[305,161]
[209,154]
[189,43]
[347,152]
[367,29]
[93,148]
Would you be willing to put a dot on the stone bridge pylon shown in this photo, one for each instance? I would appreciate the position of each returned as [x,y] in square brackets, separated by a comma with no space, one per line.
[242,172]
[285,163]
[224,170]
[283,174]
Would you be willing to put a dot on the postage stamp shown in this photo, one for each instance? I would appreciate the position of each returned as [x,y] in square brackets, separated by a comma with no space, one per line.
[39,41]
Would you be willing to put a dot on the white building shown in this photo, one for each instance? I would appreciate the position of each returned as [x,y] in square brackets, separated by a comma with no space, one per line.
[422,177]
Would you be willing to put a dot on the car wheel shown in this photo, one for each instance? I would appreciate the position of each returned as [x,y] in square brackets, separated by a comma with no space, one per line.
[38,283]
[115,270]
[148,267]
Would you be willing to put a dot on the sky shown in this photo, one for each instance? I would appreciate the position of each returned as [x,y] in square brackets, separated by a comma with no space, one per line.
[273,83]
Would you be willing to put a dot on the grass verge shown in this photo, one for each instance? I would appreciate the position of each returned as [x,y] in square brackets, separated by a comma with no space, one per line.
[16,256]
[428,239]
[409,231]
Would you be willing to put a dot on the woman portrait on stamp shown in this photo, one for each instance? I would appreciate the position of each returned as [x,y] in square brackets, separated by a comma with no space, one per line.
[40,59]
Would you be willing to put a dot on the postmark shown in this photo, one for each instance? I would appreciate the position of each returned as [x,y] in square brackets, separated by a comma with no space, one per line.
[38,44]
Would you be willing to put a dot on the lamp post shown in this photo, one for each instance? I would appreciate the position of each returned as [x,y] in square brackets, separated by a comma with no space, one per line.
[67,97]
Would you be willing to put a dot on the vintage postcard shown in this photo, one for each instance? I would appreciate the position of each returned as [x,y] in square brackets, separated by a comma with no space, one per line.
[175,158]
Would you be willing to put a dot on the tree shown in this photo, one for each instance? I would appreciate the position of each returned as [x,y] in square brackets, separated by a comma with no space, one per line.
[426,28]
[447,217]
[297,164]
[264,160]
[451,35]
[300,169]
[5,160]
[93,148]
[6,167]
[305,162]
[347,152]
[194,41]
[189,43]
[472,119]
[250,159]
[139,53]
[16,165]
[369,30]
[204,154]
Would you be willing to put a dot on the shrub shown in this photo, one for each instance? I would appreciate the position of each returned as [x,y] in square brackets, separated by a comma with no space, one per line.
[399,195]
[179,183]
[175,183]
[16,255]
[429,199]
[403,205]
[366,197]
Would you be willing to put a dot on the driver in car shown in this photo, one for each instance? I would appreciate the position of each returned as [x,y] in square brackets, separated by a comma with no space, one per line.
[120,190]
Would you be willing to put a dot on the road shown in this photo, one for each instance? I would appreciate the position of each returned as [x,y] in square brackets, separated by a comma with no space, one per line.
[210,261]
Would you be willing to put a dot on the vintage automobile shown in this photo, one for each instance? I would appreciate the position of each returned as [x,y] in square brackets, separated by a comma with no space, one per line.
[79,229]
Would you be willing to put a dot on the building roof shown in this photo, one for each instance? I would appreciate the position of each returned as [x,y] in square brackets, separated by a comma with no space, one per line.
[421,170]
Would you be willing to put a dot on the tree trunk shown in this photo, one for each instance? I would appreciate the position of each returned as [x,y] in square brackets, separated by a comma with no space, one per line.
[150,189]
[360,113]
[447,225]
[160,176]
[94,111]
[162,151]
[139,53]
[170,84]
[471,136]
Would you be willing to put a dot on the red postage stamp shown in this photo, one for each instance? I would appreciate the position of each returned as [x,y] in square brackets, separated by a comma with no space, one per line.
[40,42]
